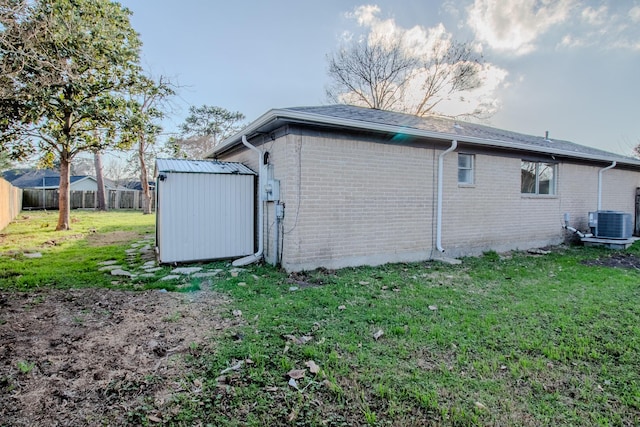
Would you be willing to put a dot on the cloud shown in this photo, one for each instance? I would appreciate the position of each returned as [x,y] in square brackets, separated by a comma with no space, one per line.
[603,28]
[570,41]
[513,26]
[365,14]
[595,16]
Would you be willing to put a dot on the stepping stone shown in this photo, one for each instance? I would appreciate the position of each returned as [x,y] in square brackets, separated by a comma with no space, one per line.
[146,248]
[171,277]
[120,272]
[185,270]
[33,255]
[110,267]
[110,262]
[151,270]
[131,251]
[149,264]
[206,274]
[147,275]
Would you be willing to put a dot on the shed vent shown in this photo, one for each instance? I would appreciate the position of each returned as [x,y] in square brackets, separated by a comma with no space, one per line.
[611,224]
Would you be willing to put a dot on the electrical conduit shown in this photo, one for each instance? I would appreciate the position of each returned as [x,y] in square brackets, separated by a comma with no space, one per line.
[454,145]
[258,255]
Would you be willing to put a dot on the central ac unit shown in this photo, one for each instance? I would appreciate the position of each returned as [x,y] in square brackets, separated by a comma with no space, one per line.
[611,224]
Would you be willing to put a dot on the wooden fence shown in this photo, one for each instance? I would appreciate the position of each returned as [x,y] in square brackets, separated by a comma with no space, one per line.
[10,202]
[116,199]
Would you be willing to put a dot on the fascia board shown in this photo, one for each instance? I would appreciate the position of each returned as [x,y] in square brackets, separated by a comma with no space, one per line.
[319,119]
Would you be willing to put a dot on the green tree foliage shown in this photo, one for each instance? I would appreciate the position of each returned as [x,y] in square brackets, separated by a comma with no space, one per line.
[5,161]
[65,65]
[203,129]
[149,100]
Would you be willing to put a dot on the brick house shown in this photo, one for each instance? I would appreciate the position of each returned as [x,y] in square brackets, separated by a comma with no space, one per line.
[360,186]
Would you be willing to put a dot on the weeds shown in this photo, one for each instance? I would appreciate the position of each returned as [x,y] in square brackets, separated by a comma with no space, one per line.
[511,339]
[173,318]
[25,367]
[516,340]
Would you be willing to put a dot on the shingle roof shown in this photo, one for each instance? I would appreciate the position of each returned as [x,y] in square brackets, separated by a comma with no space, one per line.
[446,126]
[348,116]
[201,166]
[40,178]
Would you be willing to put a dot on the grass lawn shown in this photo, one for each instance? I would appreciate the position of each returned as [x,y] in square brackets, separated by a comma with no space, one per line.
[499,340]
[69,258]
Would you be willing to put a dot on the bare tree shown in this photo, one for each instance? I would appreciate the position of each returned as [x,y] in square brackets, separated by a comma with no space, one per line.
[370,74]
[118,170]
[390,74]
[450,68]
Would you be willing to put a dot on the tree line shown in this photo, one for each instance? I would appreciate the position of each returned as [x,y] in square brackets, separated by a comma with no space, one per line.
[71,82]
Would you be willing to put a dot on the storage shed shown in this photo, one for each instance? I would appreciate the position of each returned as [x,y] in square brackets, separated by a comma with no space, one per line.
[205,210]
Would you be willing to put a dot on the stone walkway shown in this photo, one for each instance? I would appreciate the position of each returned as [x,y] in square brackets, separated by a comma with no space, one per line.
[141,263]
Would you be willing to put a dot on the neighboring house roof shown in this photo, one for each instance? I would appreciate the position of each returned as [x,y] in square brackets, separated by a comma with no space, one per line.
[137,185]
[12,174]
[42,178]
[201,166]
[24,178]
[432,127]
[47,179]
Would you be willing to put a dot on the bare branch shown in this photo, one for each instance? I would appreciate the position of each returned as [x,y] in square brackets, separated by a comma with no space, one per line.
[384,73]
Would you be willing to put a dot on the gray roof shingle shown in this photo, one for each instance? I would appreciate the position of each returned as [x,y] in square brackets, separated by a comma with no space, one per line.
[359,118]
[451,127]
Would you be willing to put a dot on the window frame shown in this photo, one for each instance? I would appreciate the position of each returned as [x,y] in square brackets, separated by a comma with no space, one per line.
[471,169]
[553,182]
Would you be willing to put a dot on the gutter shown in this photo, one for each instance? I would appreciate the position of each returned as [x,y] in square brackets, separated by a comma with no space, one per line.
[454,145]
[319,119]
[258,255]
[611,166]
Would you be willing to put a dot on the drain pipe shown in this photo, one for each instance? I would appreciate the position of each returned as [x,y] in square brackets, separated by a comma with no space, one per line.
[611,166]
[258,255]
[454,145]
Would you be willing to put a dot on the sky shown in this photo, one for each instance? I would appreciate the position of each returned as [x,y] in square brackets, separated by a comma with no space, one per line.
[569,67]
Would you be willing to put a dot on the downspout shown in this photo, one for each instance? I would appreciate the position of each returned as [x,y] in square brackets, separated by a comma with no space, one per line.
[258,255]
[611,166]
[454,145]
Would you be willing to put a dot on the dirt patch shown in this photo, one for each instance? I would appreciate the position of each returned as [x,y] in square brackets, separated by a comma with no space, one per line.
[616,260]
[112,238]
[97,356]
[304,279]
[56,242]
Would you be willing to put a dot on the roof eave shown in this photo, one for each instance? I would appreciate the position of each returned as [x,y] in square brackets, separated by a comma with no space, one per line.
[323,120]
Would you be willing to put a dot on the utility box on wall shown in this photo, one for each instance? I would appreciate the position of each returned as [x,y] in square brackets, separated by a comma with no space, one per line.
[205,210]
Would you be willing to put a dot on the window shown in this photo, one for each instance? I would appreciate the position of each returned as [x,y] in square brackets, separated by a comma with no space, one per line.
[465,168]
[538,178]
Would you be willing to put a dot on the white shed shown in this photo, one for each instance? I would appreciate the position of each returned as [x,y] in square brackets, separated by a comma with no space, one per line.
[205,210]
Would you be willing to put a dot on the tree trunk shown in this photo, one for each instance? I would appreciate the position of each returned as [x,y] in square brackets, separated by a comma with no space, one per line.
[144,181]
[64,205]
[101,204]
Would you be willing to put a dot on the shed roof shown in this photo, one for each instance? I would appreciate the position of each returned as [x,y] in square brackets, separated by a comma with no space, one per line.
[432,127]
[201,166]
